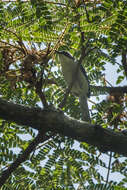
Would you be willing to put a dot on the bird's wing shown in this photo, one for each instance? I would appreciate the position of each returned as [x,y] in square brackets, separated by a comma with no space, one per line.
[86,77]
[84,108]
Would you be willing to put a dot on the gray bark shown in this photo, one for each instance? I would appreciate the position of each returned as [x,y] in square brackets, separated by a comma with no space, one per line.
[51,119]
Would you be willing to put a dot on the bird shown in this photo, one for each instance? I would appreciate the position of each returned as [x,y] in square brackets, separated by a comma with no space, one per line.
[81,86]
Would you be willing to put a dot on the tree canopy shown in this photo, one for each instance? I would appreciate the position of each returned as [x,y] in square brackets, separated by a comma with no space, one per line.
[44,142]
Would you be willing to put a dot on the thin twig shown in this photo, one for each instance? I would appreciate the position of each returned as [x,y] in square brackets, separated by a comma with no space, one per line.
[92,102]
[124,61]
[16,47]
[40,83]
[43,98]
[60,39]
[48,140]
[109,168]
[38,87]
[20,42]
[107,82]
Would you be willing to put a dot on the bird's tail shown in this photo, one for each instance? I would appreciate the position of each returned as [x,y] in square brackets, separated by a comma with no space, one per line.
[84,108]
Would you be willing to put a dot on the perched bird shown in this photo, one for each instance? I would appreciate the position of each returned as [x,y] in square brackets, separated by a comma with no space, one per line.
[80,86]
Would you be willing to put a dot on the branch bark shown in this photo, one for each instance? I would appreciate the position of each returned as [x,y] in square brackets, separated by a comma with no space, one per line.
[124,61]
[50,119]
[108,90]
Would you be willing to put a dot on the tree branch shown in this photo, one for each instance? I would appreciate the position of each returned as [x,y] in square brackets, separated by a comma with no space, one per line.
[22,157]
[108,90]
[50,119]
[124,61]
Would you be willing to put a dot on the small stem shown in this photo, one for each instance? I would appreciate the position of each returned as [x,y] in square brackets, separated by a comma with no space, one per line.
[124,61]
[109,167]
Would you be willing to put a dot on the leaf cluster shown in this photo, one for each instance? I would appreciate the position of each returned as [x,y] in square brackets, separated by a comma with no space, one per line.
[30,74]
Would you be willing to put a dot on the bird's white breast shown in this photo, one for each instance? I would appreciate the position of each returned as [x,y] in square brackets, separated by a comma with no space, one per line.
[69,67]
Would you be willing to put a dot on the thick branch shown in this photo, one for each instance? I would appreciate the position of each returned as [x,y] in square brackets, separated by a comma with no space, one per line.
[54,120]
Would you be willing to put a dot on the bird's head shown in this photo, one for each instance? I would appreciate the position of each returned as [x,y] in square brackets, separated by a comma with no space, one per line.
[64,56]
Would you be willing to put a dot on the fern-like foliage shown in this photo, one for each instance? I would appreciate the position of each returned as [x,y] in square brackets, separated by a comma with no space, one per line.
[35,29]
